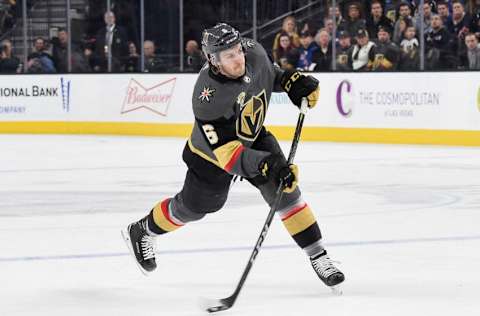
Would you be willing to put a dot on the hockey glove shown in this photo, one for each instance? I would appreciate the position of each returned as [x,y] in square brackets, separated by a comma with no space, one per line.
[274,168]
[299,86]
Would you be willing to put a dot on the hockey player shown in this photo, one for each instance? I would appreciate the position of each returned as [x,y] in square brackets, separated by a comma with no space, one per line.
[230,101]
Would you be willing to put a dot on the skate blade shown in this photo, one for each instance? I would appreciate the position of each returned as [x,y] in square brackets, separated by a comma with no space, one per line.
[336,290]
[128,242]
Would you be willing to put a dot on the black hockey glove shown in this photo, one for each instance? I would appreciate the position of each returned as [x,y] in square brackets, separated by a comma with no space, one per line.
[274,168]
[299,86]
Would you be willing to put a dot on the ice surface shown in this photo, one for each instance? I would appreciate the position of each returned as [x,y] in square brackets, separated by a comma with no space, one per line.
[403,220]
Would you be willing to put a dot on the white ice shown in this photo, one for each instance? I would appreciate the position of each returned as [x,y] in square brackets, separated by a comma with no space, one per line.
[404,221]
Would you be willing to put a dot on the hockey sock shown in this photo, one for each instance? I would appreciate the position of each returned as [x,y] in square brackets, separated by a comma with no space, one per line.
[302,226]
[161,219]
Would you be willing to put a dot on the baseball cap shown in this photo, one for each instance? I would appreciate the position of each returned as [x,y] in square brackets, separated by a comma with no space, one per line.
[343,34]
[305,34]
[361,33]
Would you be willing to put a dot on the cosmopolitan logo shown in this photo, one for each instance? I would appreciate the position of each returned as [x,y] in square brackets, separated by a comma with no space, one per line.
[33,91]
[156,99]
[345,98]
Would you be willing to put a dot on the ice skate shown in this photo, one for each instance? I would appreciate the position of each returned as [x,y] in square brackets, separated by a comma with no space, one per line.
[327,272]
[141,245]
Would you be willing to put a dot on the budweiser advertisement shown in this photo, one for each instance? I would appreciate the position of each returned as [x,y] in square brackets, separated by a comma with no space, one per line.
[156,98]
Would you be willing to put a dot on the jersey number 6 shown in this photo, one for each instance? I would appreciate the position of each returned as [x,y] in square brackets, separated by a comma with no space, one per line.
[210,133]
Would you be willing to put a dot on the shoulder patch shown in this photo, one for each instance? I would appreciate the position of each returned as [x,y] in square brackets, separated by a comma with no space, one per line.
[206,94]
[250,43]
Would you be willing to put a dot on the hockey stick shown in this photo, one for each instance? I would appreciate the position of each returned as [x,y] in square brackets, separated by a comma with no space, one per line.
[215,305]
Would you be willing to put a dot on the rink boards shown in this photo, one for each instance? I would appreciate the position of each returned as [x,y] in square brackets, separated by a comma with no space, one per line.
[412,108]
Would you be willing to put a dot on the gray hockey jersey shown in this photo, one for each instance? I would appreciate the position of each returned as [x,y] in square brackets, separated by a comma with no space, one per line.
[229,114]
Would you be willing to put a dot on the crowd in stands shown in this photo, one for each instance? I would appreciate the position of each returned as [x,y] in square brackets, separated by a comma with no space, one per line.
[8,12]
[51,56]
[378,35]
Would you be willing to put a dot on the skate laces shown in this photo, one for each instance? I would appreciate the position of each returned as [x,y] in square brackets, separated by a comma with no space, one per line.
[323,265]
[148,247]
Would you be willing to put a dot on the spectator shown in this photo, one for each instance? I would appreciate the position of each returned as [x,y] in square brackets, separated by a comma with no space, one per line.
[60,52]
[195,58]
[377,19]
[133,60]
[344,52]
[391,9]
[363,52]
[427,17]
[288,27]
[285,53]
[8,62]
[328,25]
[472,6]
[338,16]
[438,43]
[386,53]
[152,62]
[40,60]
[310,25]
[7,18]
[409,55]
[111,37]
[305,51]
[474,11]
[354,20]
[444,12]
[471,58]
[90,57]
[402,25]
[322,56]
[460,23]
[404,16]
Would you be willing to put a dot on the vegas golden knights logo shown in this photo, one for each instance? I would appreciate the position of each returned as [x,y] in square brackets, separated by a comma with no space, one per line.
[252,116]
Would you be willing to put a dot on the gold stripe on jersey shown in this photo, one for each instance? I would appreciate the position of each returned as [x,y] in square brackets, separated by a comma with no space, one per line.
[202,154]
[298,219]
[228,153]
[162,219]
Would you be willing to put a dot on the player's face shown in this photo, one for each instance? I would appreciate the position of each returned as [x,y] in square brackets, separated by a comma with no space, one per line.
[232,62]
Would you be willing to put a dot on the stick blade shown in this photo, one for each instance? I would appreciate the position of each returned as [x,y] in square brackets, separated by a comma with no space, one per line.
[214,305]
